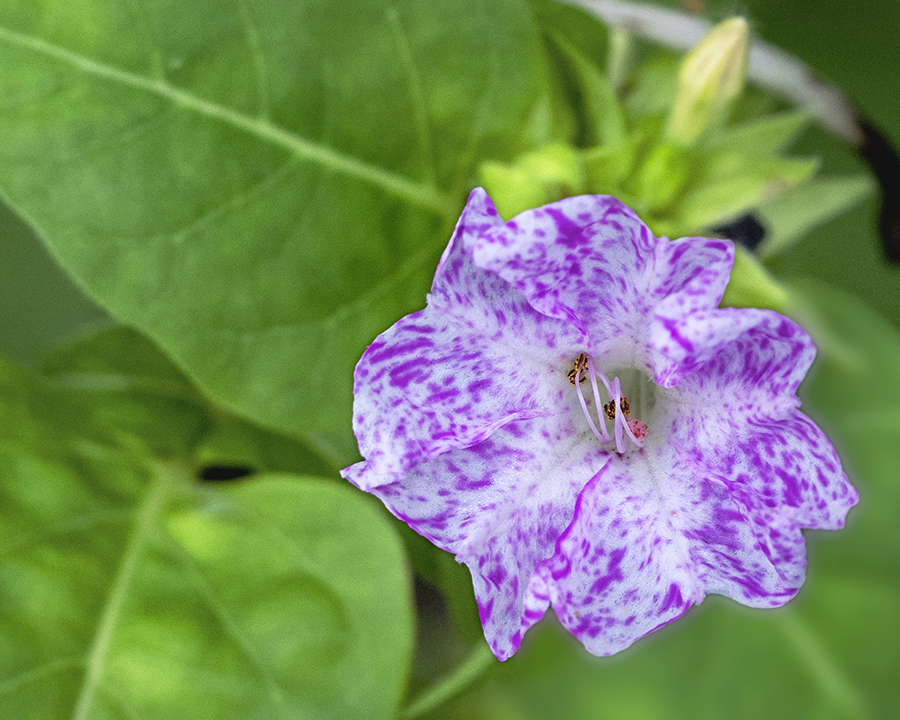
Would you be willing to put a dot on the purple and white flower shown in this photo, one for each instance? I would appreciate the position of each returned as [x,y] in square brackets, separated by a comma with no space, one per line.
[576,420]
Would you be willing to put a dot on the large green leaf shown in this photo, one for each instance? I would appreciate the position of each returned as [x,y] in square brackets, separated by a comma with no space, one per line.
[127,589]
[260,186]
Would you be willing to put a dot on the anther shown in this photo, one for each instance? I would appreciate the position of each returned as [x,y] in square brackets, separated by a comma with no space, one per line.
[610,408]
[578,369]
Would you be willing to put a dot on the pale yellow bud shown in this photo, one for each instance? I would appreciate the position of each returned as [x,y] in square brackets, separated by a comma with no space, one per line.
[710,78]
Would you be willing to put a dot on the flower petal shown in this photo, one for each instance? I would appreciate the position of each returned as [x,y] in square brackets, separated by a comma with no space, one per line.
[500,506]
[589,260]
[621,569]
[652,535]
[478,357]
[737,417]
[581,259]
[681,345]
[689,274]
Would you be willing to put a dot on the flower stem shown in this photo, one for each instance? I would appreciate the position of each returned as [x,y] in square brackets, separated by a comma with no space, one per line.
[478,661]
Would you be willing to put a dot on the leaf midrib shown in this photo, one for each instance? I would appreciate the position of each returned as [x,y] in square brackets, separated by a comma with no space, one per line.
[416,193]
[145,520]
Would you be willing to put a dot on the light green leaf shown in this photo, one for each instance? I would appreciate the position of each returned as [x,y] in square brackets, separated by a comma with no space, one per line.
[761,137]
[536,178]
[729,184]
[602,113]
[127,385]
[129,590]
[260,187]
[795,212]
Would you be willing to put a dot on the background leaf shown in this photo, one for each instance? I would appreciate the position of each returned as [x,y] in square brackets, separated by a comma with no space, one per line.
[192,165]
[128,386]
[127,589]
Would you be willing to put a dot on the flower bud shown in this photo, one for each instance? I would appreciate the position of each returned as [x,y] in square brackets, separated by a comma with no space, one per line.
[709,80]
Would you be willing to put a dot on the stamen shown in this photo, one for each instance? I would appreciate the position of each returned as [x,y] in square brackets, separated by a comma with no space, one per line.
[634,429]
[604,437]
[619,421]
[577,371]
[593,376]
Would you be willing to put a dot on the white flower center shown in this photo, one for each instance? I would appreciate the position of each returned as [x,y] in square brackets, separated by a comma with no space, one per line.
[617,410]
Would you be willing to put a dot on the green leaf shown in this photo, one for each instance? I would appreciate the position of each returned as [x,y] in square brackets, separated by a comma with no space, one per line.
[761,137]
[751,285]
[129,590]
[730,183]
[260,187]
[536,178]
[128,386]
[602,114]
[795,212]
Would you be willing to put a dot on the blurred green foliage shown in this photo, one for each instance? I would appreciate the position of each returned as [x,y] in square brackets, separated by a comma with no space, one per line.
[261,241]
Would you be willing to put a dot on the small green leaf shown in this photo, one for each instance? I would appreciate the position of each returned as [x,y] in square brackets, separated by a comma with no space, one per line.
[602,112]
[730,183]
[536,178]
[794,213]
[607,167]
[751,285]
[761,137]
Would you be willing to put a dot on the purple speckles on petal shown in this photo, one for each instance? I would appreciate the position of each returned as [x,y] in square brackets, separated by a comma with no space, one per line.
[474,432]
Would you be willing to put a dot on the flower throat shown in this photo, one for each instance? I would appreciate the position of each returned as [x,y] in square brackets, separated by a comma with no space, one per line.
[616,410]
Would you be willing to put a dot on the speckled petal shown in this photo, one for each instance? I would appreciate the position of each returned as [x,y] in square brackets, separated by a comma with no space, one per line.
[583,259]
[682,345]
[591,261]
[737,417]
[653,535]
[500,506]
[621,569]
[479,356]
[689,274]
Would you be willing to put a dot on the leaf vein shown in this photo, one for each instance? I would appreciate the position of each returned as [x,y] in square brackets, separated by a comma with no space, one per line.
[305,149]
[49,668]
[145,518]
[259,63]
[416,92]
[78,523]
[199,581]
